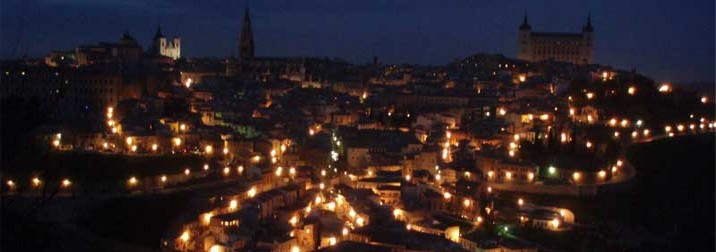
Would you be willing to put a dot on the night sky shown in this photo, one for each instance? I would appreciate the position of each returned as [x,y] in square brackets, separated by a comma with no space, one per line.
[668,40]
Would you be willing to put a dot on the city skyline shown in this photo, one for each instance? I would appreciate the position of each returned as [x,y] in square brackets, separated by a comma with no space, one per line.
[681,50]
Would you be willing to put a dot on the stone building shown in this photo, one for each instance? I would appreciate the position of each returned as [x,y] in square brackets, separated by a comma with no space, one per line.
[574,48]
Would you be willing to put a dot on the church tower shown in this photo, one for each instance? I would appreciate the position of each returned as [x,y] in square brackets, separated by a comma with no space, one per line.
[246,43]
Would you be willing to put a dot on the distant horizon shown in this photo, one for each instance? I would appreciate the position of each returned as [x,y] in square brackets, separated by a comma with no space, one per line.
[418,33]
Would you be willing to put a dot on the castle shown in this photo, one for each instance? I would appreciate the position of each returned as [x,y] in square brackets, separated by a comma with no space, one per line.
[574,48]
[163,47]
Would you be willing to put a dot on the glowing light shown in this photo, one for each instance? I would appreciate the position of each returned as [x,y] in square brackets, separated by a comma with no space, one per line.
[508,175]
[129,140]
[396,212]
[544,117]
[182,127]
[639,123]
[620,163]
[516,137]
[207,218]
[134,148]
[188,82]
[66,183]
[704,99]
[56,143]
[293,220]
[602,174]
[466,203]
[680,127]
[447,195]
[226,171]
[360,221]
[36,181]
[209,149]
[332,241]
[155,147]
[613,122]
[646,132]
[563,138]
[667,129]
[489,189]
[344,232]
[163,179]
[252,192]
[665,88]
[530,176]
[278,172]
[589,144]
[616,134]
[552,170]
[132,181]
[177,141]
[590,96]
[226,150]
[555,223]
[479,219]
[511,153]
[10,183]
[631,90]
[502,112]
[295,249]
[206,167]
[318,199]
[322,186]
[490,174]
[634,134]
[576,176]
[520,202]
[407,178]
[184,236]
[522,78]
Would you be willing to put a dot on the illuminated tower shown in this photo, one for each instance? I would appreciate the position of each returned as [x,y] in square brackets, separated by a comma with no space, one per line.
[246,43]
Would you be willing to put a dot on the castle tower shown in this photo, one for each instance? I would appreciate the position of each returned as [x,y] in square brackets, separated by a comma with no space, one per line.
[158,43]
[163,47]
[246,43]
[588,39]
[523,40]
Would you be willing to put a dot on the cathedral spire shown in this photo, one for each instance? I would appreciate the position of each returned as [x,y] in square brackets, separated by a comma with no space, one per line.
[246,43]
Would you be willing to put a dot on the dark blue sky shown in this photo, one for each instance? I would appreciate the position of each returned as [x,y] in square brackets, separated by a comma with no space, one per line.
[668,40]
